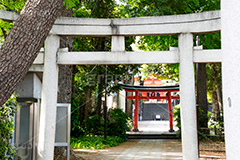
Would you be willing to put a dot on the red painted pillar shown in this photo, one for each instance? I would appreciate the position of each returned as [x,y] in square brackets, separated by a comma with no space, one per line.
[170,111]
[136,112]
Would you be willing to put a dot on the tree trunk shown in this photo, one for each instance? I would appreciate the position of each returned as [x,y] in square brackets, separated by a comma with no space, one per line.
[65,71]
[129,110]
[88,102]
[24,42]
[87,107]
[74,72]
[219,98]
[100,93]
[100,47]
[215,107]
[202,93]
[65,83]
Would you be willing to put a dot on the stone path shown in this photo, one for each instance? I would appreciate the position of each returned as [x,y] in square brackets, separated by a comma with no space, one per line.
[155,126]
[158,149]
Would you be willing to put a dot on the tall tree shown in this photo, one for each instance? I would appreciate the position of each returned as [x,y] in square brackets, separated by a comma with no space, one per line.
[65,71]
[24,42]
[153,43]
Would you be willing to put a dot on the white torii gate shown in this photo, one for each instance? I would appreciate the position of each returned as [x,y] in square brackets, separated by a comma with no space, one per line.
[186,55]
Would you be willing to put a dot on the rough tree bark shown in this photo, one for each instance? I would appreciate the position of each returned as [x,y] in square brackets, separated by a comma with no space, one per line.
[100,93]
[87,107]
[65,83]
[219,98]
[100,47]
[215,105]
[129,110]
[24,42]
[65,71]
[202,92]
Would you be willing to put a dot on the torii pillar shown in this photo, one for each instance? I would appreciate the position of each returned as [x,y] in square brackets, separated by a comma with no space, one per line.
[49,99]
[187,94]
[231,75]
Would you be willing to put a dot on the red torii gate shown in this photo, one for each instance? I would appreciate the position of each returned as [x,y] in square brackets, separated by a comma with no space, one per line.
[152,89]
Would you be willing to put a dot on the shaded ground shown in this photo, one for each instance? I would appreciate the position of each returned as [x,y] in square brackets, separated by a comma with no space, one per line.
[152,149]
[212,150]
[136,150]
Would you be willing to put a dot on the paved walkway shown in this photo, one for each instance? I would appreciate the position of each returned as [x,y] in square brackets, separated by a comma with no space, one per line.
[137,150]
[154,127]
[147,149]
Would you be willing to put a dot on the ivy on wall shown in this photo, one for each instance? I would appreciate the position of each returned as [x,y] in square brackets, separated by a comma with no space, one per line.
[7,111]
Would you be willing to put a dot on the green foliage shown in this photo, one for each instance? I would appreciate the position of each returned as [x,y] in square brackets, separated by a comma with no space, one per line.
[214,127]
[71,3]
[76,126]
[117,124]
[91,136]
[5,28]
[177,118]
[9,5]
[130,124]
[94,125]
[139,8]
[95,142]
[7,112]
[12,5]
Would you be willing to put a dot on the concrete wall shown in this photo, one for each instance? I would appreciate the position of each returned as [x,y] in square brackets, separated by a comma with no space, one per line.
[30,86]
[150,109]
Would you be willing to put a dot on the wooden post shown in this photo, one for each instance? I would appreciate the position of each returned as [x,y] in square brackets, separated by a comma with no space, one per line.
[136,111]
[170,111]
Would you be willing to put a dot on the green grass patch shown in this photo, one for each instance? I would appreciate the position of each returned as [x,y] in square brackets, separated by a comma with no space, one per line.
[95,142]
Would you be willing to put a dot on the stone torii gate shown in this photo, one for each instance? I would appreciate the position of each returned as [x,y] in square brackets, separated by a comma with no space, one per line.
[186,55]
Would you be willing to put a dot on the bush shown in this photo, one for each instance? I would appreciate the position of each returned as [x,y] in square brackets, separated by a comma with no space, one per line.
[94,125]
[117,123]
[95,142]
[92,134]
[7,111]
[177,118]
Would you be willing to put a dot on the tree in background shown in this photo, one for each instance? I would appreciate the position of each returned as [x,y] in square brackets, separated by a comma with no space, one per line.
[208,75]
[98,9]
[89,82]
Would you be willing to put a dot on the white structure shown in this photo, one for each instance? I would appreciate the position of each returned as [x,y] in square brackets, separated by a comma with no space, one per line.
[231,75]
[186,55]
[187,94]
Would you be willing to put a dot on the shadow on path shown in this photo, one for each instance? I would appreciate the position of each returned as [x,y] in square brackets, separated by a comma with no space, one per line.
[159,149]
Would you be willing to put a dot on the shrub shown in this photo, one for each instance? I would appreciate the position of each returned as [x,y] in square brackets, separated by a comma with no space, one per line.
[94,125]
[117,123]
[95,142]
[177,118]
[7,111]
